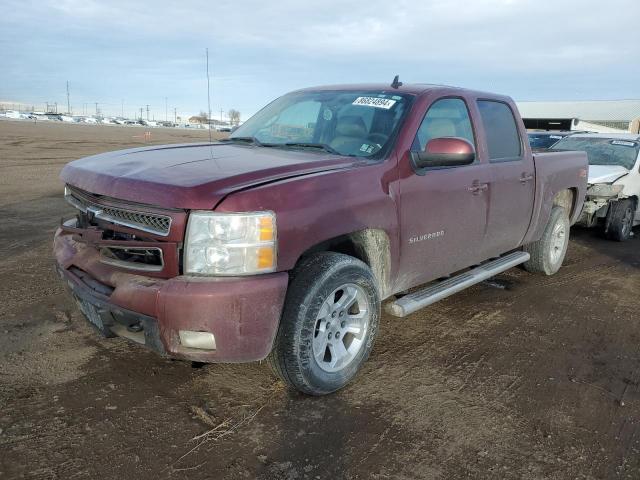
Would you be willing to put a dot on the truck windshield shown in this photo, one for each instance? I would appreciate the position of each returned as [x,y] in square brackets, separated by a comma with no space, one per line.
[355,123]
[543,140]
[603,151]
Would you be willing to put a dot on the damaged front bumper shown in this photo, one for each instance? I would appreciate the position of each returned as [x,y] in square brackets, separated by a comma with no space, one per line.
[242,313]
[596,205]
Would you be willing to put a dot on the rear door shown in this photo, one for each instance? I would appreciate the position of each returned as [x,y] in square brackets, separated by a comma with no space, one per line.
[443,211]
[512,191]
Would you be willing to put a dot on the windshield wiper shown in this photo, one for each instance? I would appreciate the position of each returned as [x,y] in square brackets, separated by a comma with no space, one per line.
[318,146]
[250,140]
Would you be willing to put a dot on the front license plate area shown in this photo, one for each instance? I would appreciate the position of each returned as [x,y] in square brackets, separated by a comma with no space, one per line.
[92,315]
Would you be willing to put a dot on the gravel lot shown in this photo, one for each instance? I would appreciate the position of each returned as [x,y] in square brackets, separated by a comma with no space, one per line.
[537,379]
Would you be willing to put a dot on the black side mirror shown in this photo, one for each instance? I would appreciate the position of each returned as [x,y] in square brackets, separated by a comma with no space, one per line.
[445,152]
[234,128]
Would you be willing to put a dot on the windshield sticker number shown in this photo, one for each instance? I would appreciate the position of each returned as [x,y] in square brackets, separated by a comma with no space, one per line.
[384,103]
[624,143]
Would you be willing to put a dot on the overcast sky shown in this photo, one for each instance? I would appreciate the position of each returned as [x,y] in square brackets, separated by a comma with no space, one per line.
[140,52]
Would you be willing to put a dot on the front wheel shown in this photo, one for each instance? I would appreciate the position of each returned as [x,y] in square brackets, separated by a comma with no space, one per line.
[620,221]
[547,254]
[329,323]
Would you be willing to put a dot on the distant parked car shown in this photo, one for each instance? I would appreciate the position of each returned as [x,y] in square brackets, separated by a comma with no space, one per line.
[15,115]
[547,139]
[614,181]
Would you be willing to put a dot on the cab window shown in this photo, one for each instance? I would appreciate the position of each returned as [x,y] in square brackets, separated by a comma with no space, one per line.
[503,139]
[447,117]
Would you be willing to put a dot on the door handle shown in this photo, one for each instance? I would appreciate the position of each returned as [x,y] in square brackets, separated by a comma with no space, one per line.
[526,178]
[476,188]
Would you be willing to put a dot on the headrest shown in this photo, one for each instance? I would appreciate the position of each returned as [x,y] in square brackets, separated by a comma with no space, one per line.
[351,126]
[440,127]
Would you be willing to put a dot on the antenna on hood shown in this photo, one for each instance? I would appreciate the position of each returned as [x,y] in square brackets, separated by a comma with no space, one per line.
[396,82]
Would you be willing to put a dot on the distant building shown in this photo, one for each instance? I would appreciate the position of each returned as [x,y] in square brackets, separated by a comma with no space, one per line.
[604,116]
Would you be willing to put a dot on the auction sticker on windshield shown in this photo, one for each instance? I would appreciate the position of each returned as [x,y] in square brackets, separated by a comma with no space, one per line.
[374,102]
[624,143]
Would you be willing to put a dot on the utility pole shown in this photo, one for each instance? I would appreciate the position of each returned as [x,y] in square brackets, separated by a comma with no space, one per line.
[221,119]
[68,101]
[147,112]
[208,97]
[96,108]
[122,109]
[175,115]
[140,113]
[165,109]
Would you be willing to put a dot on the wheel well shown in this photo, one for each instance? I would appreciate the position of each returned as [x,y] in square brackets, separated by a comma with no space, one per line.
[369,245]
[566,199]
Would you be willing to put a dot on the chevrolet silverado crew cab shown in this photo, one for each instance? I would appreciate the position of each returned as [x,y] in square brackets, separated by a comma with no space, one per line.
[614,181]
[282,241]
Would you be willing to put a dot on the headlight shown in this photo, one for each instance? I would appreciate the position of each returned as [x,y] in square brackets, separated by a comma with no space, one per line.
[604,190]
[230,243]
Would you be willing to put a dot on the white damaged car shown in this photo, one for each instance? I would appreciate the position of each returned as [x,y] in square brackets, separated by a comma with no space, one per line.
[614,181]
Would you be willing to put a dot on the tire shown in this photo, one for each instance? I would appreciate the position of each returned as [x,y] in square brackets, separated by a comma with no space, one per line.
[547,254]
[620,220]
[329,294]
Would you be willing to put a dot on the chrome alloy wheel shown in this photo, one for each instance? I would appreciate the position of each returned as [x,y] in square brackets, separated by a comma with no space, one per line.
[558,242]
[341,327]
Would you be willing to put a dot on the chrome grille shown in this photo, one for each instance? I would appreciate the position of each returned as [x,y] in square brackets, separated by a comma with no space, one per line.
[147,222]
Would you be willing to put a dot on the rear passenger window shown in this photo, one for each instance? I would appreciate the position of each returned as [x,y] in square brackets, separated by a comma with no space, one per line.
[503,139]
[447,117]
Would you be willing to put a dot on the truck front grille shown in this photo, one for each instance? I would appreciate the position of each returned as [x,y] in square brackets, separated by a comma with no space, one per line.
[147,222]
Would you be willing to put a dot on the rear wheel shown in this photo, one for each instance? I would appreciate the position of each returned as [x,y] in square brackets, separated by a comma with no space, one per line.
[620,221]
[547,254]
[329,324]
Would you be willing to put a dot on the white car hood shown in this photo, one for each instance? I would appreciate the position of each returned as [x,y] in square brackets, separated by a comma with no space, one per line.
[606,173]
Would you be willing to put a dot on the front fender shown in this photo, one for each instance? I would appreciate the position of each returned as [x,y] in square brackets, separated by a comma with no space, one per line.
[315,208]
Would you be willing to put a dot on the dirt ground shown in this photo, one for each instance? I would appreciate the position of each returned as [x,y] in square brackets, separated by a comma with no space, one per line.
[535,380]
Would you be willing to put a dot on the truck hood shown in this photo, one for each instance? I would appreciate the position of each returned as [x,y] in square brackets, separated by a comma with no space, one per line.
[606,173]
[192,176]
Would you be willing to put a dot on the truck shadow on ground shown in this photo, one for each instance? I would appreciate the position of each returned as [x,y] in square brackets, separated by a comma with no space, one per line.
[627,252]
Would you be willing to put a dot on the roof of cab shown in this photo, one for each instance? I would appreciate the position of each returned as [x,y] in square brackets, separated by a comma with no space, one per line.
[411,89]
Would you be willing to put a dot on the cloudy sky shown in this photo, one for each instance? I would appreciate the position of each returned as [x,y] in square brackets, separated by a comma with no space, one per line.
[140,52]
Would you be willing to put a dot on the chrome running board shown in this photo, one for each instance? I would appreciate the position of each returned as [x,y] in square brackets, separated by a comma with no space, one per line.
[415,301]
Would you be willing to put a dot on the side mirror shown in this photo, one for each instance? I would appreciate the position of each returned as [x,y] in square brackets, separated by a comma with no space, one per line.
[445,152]
[234,128]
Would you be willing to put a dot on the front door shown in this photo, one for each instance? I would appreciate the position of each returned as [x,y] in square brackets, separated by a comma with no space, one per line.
[443,211]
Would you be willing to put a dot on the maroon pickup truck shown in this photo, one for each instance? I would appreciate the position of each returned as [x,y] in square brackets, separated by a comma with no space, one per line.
[282,241]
